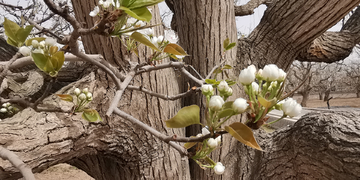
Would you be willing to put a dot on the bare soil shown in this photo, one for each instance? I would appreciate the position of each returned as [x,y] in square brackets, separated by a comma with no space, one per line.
[67,172]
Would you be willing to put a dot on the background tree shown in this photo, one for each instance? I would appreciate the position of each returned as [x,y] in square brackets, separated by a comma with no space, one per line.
[119,149]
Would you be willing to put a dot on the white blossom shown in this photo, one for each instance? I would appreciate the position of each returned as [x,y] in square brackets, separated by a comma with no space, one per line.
[171,36]
[239,105]
[219,168]
[160,39]
[229,92]
[89,95]
[207,89]
[291,108]
[218,140]
[282,75]
[94,12]
[85,90]
[212,143]
[38,51]
[147,31]
[270,72]
[24,50]
[3,110]
[180,56]
[35,43]
[82,96]
[77,91]
[205,131]
[247,75]
[50,41]
[223,86]
[255,87]
[41,44]
[216,103]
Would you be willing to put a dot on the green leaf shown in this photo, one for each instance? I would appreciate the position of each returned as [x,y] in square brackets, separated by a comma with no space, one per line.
[267,104]
[12,42]
[226,43]
[185,117]
[23,33]
[230,83]
[225,113]
[189,145]
[217,71]
[227,67]
[65,97]
[11,29]
[126,3]
[58,60]
[230,46]
[142,14]
[142,3]
[243,134]
[228,105]
[40,60]
[175,49]
[142,39]
[29,41]
[210,81]
[91,115]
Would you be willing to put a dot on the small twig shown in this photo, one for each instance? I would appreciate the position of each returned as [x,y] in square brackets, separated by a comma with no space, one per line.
[163,96]
[213,69]
[170,64]
[297,88]
[42,29]
[197,73]
[7,66]
[151,130]
[189,75]
[16,161]
[45,94]
[129,77]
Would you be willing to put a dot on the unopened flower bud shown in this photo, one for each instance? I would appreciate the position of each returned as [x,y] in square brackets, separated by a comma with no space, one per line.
[85,90]
[205,131]
[223,86]
[270,72]
[82,96]
[35,43]
[229,92]
[207,89]
[218,140]
[89,95]
[247,75]
[291,108]
[77,91]
[3,110]
[219,168]
[212,143]
[50,41]
[239,105]
[255,87]
[216,103]
[24,50]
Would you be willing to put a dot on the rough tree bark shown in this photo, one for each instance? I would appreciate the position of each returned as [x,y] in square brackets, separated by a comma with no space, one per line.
[115,149]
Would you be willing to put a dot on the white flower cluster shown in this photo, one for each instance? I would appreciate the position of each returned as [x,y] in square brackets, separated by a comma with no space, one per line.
[290,107]
[134,23]
[270,73]
[104,4]
[84,94]
[6,107]
[37,47]
[212,143]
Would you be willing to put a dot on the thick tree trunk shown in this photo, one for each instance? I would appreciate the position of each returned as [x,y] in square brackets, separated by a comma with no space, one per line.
[305,98]
[321,95]
[114,149]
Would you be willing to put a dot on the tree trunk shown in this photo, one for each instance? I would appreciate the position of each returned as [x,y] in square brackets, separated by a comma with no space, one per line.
[358,94]
[321,95]
[305,98]
[327,94]
[114,149]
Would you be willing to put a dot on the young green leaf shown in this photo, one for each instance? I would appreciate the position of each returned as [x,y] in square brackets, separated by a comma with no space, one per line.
[65,97]
[175,49]
[266,103]
[226,43]
[23,33]
[142,39]
[142,14]
[228,105]
[185,117]
[227,67]
[225,113]
[189,145]
[210,81]
[230,46]
[10,30]
[40,60]
[91,115]
[58,60]
[243,134]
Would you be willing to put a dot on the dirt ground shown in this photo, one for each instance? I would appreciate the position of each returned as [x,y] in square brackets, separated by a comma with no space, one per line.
[67,172]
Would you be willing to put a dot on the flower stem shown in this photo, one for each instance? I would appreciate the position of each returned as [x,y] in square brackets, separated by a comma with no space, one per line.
[277,120]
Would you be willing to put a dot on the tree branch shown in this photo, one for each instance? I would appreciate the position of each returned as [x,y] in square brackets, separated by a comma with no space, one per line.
[249,7]
[163,96]
[15,161]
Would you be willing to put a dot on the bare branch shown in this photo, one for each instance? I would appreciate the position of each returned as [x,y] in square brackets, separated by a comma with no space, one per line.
[151,130]
[15,161]
[7,66]
[163,96]
[249,7]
